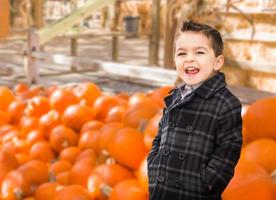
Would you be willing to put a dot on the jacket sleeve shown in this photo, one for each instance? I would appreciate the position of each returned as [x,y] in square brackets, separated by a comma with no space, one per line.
[220,168]
[156,142]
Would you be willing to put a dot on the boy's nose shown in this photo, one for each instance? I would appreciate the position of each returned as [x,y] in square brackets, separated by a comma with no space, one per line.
[189,57]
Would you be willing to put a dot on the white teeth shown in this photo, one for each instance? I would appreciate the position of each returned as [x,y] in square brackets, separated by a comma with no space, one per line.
[191,68]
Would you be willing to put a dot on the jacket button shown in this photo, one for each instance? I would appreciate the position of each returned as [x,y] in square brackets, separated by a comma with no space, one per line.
[161,179]
[181,156]
[166,152]
[177,184]
[189,129]
[171,125]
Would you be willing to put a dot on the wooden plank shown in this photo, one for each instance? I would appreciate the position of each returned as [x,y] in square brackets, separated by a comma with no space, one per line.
[38,13]
[251,11]
[253,66]
[155,34]
[246,36]
[61,26]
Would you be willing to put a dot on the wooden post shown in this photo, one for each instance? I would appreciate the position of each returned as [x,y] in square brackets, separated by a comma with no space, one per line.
[73,50]
[38,13]
[115,39]
[29,61]
[169,38]
[155,33]
[4,18]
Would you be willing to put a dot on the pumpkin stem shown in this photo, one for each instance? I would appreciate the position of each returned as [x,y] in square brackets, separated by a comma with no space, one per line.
[52,177]
[106,190]
[18,193]
[273,176]
[103,157]
[142,125]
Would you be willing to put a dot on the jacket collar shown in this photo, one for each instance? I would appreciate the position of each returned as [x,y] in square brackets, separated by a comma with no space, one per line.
[206,90]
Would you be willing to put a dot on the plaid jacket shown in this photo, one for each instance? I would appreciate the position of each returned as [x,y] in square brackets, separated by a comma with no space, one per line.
[198,143]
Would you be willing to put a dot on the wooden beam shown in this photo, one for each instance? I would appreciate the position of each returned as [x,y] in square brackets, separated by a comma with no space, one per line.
[155,34]
[38,13]
[61,26]
[170,29]
[73,51]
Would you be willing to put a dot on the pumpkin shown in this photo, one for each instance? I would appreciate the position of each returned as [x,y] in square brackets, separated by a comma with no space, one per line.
[6,97]
[72,192]
[24,181]
[136,98]
[20,87]
[89,139]
[128,189]
[60,99]
[249,177]
[105,135]
[75,116]
[259,119]
[261,151]
[116,114]
[88,91]
[80,171]
[35,136]
[60,166]
[47,191]
[113,173]
[28,124]
[63,178]
[91,125]
[94,185]
[88,153]
[5,117]
[142,175]
[69,154]
[151,130]
[49,121]
[62,137]
[37,106]
[158,95]
[42,151]
[103,104]
[16,110]
[127,147]
[139,114]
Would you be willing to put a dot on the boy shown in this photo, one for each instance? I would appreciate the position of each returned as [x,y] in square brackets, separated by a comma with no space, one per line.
[199,137]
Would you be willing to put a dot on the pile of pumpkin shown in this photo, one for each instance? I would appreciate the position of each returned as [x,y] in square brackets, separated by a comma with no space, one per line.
[76,142]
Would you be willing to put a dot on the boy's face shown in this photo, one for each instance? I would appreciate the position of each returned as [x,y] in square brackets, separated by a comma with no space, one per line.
[195,58]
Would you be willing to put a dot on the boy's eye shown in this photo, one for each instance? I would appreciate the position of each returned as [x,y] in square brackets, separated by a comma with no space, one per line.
[200,52]
[181,54]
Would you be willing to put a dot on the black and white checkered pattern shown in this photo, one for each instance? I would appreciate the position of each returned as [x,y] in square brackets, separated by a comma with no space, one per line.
[198,143]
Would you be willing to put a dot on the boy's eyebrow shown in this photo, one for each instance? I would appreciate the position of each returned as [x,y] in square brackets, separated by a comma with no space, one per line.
[184,49]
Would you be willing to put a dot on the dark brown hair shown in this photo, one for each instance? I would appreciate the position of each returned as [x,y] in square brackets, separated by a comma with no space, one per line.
[209,32]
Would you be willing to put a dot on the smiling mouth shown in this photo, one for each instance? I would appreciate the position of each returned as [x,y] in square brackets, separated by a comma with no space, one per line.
[191,70]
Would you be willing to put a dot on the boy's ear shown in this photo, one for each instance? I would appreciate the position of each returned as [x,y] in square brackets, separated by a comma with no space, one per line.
[219,62]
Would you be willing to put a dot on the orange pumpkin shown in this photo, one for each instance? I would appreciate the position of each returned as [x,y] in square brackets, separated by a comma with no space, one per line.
[80,171]
[259,119]
[60,166]
[103,104]
[20,87]
[151,130]
[116,114]
[28,124]
[47,191]
[49,121]
[42,151]
[63,178]
[5,118]
[91,125]
[136,98]
[72,192]
[261,151]
[60,99]
[86,154]
[37,106]
[127,147]
[105,135]
[35,136]
[62,137]
[24,181]
[142,175]
[69,154]
[158,95]
[249,177]
[112,173]
[128,189]
[94,187]
[89,139]
[75,116]
[8,162]
[88,92]
[139,114]
[6,97]
[16,110]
